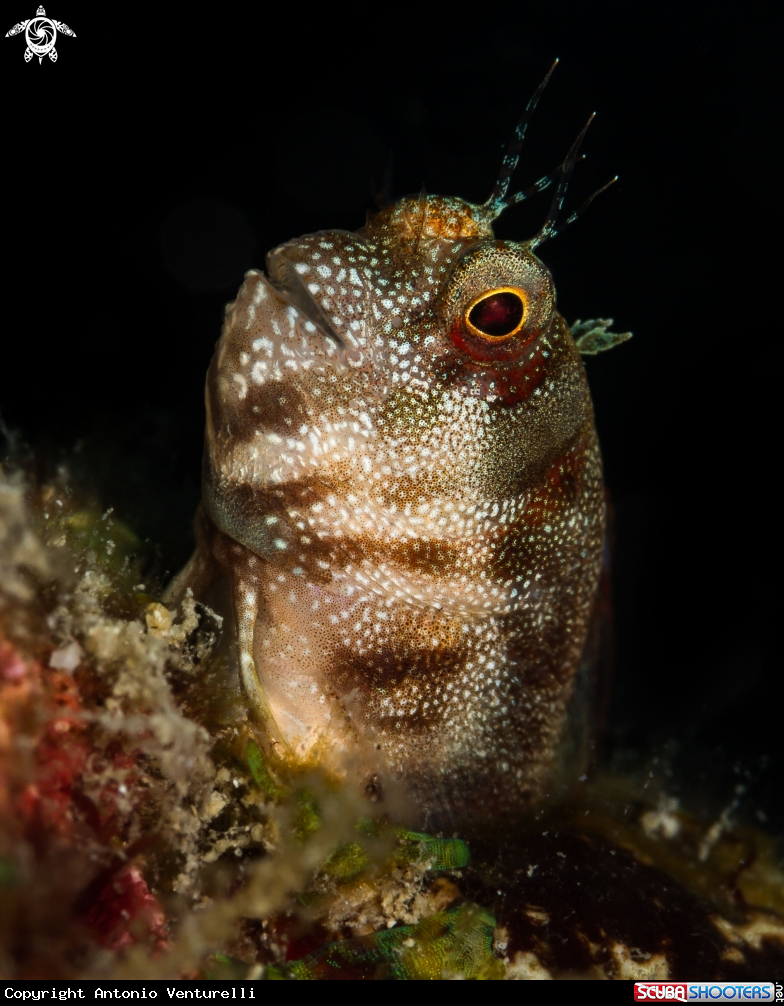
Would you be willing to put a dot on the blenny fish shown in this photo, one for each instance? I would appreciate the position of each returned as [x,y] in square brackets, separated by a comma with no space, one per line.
[402,483]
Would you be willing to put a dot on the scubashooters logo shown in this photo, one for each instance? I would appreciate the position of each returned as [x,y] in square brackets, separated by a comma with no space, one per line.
[705,991]
[41,34]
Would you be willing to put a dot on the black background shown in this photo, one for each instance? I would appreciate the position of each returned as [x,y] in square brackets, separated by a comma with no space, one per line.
[166,152]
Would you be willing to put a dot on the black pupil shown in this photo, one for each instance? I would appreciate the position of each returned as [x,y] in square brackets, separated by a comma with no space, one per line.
[497,315]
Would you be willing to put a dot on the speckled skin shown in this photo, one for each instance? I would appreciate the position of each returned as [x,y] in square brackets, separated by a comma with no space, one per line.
[411,515]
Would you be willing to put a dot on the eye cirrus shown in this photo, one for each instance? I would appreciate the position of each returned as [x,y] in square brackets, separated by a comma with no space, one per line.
[497,315]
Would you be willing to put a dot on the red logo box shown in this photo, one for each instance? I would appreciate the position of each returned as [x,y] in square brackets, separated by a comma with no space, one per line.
[648,992]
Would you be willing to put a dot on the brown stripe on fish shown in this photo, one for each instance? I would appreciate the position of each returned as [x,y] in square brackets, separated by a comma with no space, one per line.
[276,407]
[553,523]
[397,687]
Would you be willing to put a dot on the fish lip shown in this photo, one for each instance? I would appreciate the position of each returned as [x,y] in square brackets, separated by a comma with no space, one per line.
[358,354]
[287,283]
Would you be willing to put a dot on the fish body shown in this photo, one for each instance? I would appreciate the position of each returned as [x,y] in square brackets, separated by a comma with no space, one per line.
[402,481]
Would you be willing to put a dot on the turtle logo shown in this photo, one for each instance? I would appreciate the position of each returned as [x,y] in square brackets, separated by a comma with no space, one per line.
[41,34]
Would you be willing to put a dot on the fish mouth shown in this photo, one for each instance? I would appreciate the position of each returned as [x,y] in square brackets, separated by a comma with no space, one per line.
[288,285]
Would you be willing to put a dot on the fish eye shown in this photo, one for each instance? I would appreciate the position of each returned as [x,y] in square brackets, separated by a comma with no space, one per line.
[497,315]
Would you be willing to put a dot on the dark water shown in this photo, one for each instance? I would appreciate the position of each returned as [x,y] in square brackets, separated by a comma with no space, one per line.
[145,174]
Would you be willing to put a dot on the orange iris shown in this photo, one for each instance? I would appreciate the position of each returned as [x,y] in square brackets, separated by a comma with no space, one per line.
[497,315]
